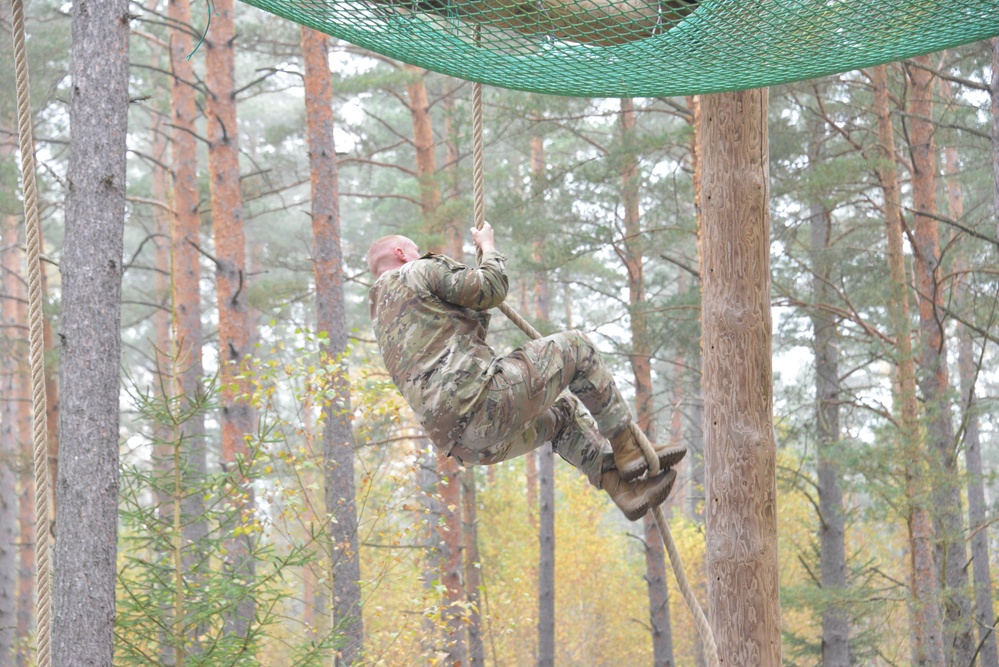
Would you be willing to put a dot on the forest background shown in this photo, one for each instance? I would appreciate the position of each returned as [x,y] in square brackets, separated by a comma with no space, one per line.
[254,496]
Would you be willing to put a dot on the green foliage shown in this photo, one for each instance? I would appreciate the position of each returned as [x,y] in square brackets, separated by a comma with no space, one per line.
[176,595]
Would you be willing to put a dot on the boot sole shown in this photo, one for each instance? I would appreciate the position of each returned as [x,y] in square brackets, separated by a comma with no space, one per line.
[655,498]
[667,459]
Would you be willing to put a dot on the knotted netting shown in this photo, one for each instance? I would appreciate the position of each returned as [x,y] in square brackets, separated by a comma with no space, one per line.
[645,48]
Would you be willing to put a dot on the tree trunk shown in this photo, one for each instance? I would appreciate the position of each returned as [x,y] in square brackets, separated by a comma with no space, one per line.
[428,480]
[87,490]
[994,89]
[315,590]
[469,507]
[51,390]
[546,556]
[452,575]
[927,629]
[537,190]
[934,381]
[10,328]
[338,436]
[968,372]
[641,366]
[679,497]
[185,271]
[423,143]
[10,270]
[977,507]
[740,458]
[531,475]
[444,559]
[473,581]
[695,419]
[832,530]
[15,404]
[237,419]
[26,570]
[186,223]
[161,231]
[655,577]
[185,308]
[163,368]
[455,221]
[545,454]
[26,498]
[448,488]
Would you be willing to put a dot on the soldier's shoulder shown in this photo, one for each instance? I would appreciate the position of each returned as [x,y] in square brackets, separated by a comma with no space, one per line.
[425,267]
[433,261]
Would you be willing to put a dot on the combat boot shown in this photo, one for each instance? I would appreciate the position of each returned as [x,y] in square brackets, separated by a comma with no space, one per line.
[637,498]
[631,462]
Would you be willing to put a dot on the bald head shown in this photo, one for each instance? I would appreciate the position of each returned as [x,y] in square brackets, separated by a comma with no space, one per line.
[391,252]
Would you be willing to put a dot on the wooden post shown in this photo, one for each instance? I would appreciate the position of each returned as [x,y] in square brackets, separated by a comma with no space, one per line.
[740,450]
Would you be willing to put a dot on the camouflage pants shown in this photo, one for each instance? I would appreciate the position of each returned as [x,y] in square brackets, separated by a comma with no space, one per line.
[524,406]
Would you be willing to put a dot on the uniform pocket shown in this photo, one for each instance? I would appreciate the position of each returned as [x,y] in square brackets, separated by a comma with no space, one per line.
[521,373]
[506,375]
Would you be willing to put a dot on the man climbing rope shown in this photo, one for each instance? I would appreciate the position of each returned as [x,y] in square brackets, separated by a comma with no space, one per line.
[429,314]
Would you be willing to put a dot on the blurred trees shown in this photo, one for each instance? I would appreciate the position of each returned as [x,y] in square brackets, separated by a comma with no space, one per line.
[852,426]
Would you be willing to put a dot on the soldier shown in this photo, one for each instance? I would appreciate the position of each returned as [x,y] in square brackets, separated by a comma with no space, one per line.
[430,316]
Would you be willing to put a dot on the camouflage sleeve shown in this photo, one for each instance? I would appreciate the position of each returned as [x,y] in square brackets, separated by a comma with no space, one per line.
[479,289]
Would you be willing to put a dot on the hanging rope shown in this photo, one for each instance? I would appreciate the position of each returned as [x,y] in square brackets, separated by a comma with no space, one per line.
[479,206]
[40,453]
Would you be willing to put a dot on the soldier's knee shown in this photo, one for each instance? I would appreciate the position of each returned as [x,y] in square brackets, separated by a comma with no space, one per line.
[586,350]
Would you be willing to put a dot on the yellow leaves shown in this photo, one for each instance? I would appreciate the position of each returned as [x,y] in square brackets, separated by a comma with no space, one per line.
[249,526]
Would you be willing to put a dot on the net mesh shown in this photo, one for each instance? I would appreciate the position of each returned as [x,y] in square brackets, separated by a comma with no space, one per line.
[645,48]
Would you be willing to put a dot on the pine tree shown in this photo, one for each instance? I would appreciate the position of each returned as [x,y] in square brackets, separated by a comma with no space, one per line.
[832,531]
[84,576]
[641,364]
[927,629]
[237,418]
[328,268]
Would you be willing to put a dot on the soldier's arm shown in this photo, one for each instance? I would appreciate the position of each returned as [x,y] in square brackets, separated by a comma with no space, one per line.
[479,289]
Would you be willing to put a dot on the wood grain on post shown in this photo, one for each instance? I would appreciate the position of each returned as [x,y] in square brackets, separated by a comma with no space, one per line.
[740,451]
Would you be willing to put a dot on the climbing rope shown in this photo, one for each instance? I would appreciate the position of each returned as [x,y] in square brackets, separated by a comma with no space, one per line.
[40,438]
[478,189]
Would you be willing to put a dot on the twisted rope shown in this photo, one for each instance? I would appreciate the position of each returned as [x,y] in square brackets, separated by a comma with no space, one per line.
[703,628]
[43,604]
[707,637]
[478,189]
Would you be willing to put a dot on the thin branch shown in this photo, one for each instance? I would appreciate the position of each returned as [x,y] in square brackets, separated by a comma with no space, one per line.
[953,223]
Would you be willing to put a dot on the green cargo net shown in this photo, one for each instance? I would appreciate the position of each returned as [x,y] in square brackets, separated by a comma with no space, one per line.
[645,48]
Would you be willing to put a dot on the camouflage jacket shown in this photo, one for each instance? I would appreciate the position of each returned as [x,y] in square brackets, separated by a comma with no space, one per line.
[430,320]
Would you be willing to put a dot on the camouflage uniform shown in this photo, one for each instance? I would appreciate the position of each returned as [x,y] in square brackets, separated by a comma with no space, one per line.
[430,319]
